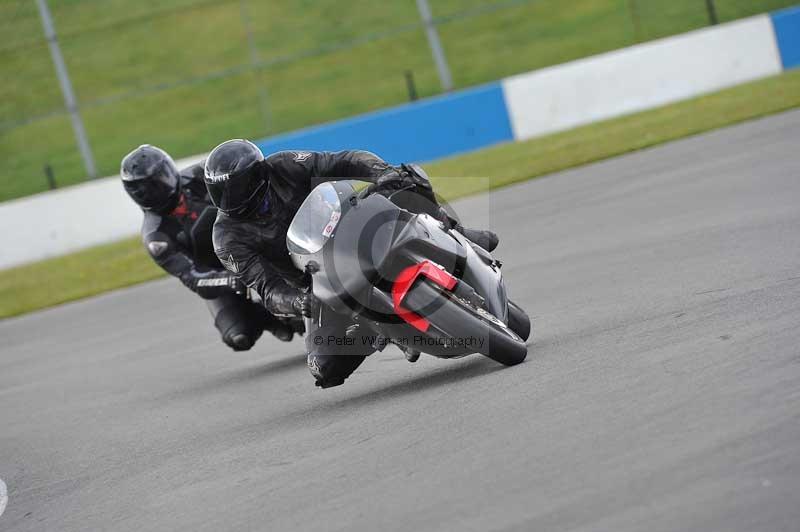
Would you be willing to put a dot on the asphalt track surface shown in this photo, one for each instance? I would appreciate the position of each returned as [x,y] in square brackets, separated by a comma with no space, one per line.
[662,390]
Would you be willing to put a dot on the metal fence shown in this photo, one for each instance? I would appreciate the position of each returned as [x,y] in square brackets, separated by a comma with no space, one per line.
[188,73]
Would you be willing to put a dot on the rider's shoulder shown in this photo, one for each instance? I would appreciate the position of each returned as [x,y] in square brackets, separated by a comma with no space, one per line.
[151,223]
[229,224]
[289,159]
[155,237]
[194,171]
[231,235]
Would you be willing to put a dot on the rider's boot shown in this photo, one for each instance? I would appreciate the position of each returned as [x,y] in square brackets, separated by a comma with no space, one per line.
[282,330]
[486,239]
[412,355]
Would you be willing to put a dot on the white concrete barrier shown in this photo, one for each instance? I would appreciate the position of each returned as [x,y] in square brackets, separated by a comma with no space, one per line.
[641,77]
[62,221]
[58,222]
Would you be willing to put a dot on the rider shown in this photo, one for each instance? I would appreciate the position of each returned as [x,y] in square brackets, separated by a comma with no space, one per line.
[173,201]
[257,199]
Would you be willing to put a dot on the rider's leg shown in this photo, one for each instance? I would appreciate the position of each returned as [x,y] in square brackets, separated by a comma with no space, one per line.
[421,199]
[333,354]
[411,201]
[282,329]
[233,321]
[486,239]
[240,322]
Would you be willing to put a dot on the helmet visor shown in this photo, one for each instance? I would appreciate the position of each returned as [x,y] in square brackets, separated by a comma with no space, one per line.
[155,191]
[238,195]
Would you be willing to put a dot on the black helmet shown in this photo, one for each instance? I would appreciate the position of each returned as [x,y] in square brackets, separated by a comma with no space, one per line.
[151,178]
[234,177]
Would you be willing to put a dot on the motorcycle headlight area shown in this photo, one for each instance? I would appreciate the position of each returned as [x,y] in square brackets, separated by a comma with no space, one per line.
[315,221]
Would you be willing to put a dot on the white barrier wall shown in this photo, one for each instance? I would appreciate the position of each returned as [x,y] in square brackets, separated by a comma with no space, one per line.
[641,77]
[58,222]
[61,221]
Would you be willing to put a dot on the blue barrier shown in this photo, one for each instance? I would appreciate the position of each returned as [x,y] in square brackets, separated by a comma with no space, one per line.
[421,131]
[787,34]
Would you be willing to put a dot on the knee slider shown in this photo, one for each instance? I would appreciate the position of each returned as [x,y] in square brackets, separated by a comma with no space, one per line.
[236,334]
[332,370]
[239,341]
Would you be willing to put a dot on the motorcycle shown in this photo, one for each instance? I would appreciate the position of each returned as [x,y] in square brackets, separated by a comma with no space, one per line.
[404,278]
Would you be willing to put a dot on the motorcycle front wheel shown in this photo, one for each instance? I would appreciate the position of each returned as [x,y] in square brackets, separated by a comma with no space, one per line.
[518,321]
[460,319]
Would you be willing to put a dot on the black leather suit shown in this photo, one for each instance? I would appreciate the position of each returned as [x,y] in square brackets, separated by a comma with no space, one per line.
[180,243]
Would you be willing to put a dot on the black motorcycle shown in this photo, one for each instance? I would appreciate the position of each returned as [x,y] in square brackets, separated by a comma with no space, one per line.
[404,278]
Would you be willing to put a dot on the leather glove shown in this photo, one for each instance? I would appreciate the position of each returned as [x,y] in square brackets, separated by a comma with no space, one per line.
[306,304]
[393,175]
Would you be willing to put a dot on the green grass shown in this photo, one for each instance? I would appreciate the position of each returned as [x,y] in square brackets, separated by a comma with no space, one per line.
[103,268]
[75,276]
[349,58]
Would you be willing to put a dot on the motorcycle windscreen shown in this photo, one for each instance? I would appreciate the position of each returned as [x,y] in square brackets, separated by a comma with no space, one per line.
[315,221]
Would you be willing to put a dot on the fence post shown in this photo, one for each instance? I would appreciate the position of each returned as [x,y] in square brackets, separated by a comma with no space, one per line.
[51,178]
[66,88]
[411,86]
[712,12]
[436,45]
[637,24]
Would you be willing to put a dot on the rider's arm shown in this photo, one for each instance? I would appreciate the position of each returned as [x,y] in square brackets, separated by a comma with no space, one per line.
[244,261]
[386,179]
[320,166]
[367,166]
[350,164]
[168,254]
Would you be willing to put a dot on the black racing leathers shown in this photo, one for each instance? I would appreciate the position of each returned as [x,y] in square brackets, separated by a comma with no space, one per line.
[255,248]
[168,237]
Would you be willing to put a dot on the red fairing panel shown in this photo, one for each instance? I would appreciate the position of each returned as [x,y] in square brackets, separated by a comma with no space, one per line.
[406,280]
